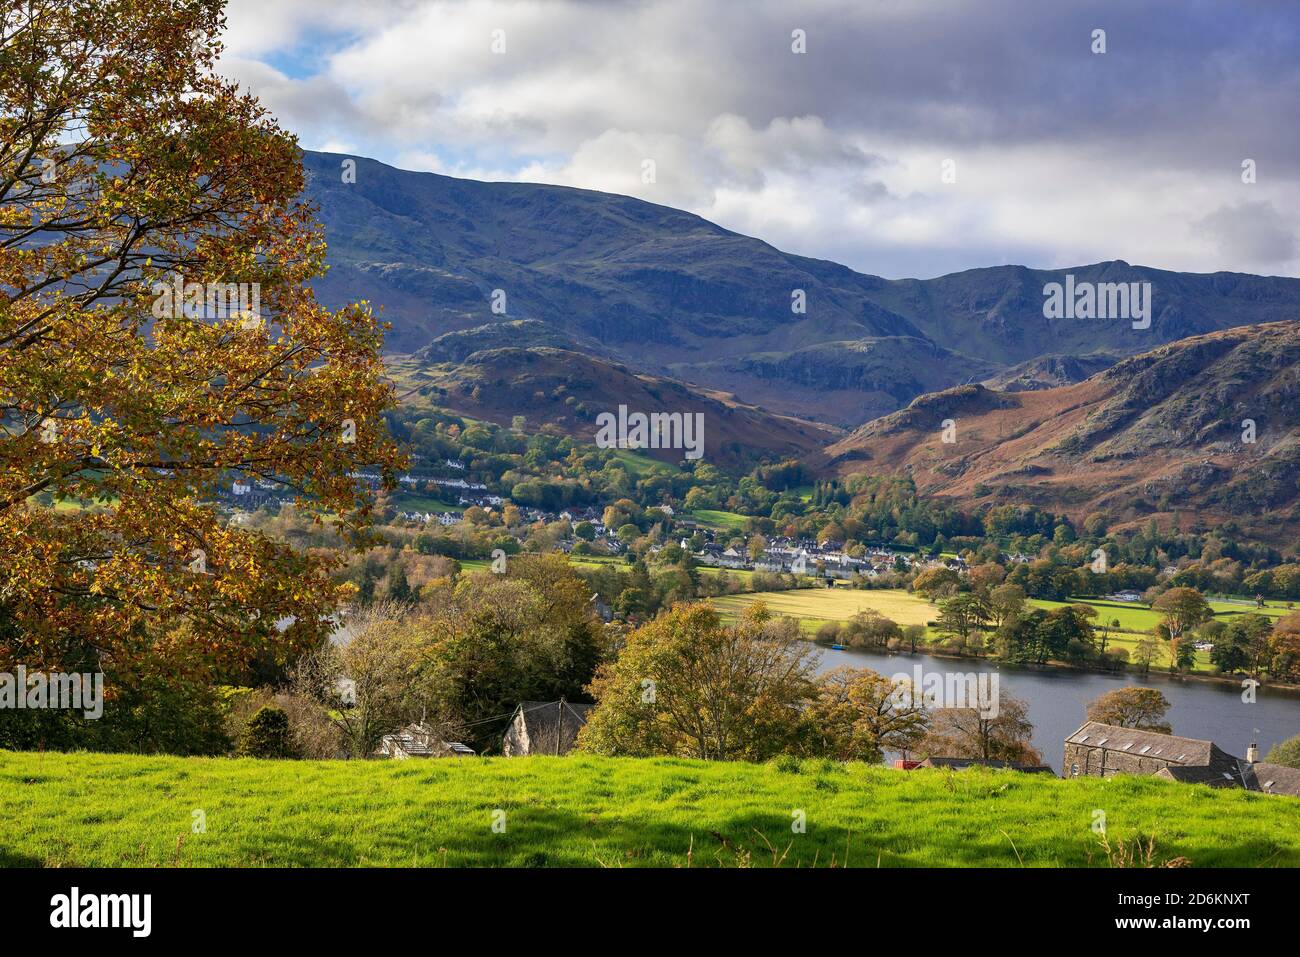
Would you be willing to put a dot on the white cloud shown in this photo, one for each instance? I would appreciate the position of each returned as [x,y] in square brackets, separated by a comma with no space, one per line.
[1063,157]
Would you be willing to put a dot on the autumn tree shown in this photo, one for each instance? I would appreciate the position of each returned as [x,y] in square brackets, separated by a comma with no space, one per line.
[497,640]
[159,339]
[970,733]
[857,716]
[1142,708]
[687,685]
[1182,609]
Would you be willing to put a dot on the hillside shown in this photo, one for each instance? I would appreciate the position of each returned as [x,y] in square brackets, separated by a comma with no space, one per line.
[669,293]
[569,390]
[1156,434]
[99,810]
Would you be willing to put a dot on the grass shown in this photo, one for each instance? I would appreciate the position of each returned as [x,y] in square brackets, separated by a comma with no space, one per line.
[96,810]
[411,502]
[715,518]
[640,465]
[815,606]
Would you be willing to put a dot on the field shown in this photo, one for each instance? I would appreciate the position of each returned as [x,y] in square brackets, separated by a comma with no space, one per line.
[92,810]
[1136,622]
[814,606]
[713,518]
[410,502]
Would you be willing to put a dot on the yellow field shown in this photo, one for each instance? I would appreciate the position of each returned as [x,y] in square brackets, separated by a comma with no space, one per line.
[813,606]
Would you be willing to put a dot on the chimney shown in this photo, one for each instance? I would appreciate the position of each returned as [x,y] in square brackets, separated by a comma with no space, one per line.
[1252,753]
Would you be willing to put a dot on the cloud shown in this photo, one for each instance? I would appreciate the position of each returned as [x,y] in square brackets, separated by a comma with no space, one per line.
[1250,232]
[1063,156]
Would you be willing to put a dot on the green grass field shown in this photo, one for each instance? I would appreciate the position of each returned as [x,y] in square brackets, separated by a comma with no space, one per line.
[641,465]
[91,810]
[714,518]
[410,502]
[815,606]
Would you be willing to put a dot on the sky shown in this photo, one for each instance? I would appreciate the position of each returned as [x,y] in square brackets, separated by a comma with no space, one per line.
[899,138]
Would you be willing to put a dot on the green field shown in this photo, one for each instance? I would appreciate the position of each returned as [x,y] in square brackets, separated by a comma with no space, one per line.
[714,518]
[410,502]
[815,606]
[92,810]
[641,465]
[1139,618]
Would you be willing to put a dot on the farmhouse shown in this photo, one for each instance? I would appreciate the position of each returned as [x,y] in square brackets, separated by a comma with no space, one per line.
[421,741]
[1102,750]
[544,727]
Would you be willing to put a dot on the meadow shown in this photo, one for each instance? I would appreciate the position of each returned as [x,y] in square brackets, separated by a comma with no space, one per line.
[100,810]
[815,606]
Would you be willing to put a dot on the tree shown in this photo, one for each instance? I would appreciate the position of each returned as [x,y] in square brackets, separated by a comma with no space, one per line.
[1145,652]
[266,735]
[159,337]
[1142,708]
[963,614]
[936,582]
[1251,635]
[1006,603]
[966,733]
[1286,753]
[856,716]
[528,635]
[1182,609]
[689,686]
[367,679]
[914,635]
[869,628]
[1285,648]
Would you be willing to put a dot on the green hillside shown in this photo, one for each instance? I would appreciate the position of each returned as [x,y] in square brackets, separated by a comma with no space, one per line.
[94,810]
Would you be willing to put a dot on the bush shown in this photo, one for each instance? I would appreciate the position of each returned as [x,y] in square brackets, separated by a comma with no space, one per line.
[266,735]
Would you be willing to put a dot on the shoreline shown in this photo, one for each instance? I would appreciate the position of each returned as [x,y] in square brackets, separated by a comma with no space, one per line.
[1235,681]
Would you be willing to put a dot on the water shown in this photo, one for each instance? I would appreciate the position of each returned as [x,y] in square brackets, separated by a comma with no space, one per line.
[1057,700]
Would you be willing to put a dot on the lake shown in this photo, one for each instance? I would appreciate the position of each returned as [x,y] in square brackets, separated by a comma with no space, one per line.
[1057,700]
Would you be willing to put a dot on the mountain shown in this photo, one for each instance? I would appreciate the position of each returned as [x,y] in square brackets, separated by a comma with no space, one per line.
[1044,372]
[671,294]
[568,391]
[1207,428]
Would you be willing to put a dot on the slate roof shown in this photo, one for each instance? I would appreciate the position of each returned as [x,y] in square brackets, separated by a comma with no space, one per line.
[545,720]
[1188,752]
[1272,778]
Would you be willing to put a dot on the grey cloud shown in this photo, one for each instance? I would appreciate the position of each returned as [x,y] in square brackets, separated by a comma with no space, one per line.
[1252,232]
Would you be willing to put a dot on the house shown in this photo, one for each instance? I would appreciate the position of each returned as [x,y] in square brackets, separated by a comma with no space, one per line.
[421,741]
[1272,778]
[544,727]
[1132,597]
[1103,750]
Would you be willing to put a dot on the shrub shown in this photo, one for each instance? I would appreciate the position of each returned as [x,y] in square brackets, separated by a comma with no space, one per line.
[266,735]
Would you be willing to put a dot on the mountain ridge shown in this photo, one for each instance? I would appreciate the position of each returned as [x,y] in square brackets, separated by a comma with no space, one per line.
[672,294]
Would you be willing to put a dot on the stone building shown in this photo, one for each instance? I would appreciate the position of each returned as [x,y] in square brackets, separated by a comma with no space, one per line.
[421,741]
[1101,750]
[544,727]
